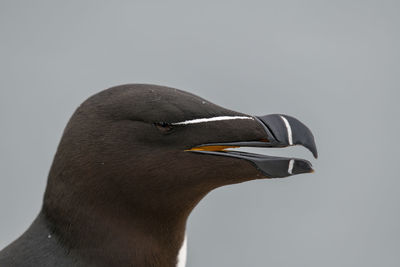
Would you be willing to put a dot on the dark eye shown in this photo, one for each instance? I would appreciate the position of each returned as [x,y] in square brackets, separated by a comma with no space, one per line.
[164,127]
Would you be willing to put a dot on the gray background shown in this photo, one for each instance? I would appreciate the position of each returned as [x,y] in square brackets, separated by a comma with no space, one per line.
[333,64]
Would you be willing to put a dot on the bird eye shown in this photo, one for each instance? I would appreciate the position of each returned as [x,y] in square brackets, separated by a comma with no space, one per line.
[164,127]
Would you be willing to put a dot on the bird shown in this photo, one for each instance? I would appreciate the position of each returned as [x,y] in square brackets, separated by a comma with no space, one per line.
[133,162]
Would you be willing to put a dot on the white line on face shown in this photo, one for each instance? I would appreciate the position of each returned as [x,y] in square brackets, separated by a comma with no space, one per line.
[290,168]
[289,130]
[219,118]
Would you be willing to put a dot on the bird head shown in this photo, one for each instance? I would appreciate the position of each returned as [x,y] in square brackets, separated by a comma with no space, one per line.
[160,150]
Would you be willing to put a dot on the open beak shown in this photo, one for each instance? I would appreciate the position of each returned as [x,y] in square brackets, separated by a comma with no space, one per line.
[281,131]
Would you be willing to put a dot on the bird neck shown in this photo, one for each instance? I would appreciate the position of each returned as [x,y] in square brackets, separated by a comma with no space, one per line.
[104,237]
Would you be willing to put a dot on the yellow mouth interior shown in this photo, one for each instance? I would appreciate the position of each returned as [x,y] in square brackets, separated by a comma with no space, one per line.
[211,148]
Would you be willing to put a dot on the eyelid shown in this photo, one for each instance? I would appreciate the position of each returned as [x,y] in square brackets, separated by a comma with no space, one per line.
[163,124]
[164,127]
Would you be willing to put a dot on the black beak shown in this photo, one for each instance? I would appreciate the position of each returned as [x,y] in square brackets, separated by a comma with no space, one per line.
[281,131]
[284,130]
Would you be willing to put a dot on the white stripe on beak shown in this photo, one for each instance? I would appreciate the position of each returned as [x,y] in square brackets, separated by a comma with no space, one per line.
[290,168]
[289,130]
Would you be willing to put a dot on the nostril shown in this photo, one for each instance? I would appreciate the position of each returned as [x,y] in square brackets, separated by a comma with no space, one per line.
[267,128]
